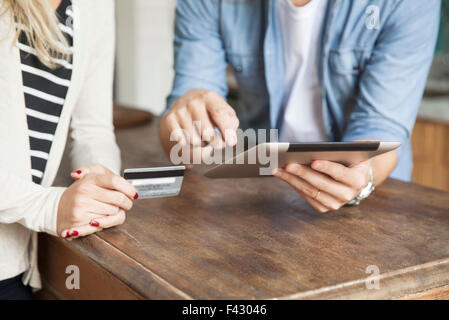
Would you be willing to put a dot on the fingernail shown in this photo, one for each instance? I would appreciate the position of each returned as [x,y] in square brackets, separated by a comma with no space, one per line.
[78,172]
[67,235]
[95,223]
[74,233]
[317,165]
[136,196]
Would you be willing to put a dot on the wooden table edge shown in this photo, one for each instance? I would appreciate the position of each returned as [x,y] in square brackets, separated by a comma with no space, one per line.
[398,284]
[118,264]
[405,283]
[160,288]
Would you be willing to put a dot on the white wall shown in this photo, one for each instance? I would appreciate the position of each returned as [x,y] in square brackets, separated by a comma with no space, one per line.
[144,71]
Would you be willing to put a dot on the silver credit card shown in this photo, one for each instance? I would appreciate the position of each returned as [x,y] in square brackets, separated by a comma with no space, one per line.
[156,182]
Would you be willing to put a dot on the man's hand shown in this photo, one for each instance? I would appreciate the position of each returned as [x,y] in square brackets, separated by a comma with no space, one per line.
[192,120]
[327,186]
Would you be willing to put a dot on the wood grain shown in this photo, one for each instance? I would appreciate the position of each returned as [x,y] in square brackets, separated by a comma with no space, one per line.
[430,142]
[125,117]
[434,294]
[55,255]
[257,239]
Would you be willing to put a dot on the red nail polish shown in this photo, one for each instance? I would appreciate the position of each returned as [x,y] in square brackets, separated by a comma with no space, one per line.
[78,171]
[95,223]
[136,196]
[74,233]
[67,235]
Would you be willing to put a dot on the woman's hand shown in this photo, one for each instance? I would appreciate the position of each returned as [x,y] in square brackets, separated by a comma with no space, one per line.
[97,200]
[326,185]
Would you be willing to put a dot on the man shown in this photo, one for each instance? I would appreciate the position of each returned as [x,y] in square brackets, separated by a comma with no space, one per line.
[317,70]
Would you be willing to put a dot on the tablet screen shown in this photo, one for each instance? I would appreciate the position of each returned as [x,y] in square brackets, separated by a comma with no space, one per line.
[333,146]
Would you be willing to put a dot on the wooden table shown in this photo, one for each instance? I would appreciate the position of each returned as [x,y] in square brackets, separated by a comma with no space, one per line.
[255,239]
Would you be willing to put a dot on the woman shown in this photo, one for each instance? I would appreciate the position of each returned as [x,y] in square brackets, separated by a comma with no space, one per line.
[56,69]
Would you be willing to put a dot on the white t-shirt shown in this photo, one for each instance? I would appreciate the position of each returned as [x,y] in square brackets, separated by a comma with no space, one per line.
[301,34]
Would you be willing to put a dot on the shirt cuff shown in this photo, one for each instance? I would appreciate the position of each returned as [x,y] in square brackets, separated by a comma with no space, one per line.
[50,217]
[363,132]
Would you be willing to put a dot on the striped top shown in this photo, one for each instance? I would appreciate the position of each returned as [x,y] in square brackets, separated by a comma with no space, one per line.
[45,92]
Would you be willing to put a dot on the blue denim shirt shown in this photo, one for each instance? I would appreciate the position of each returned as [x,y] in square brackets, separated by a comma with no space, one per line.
[375,58]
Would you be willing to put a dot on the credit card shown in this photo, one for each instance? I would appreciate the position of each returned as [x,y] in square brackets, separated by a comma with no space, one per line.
[156,182]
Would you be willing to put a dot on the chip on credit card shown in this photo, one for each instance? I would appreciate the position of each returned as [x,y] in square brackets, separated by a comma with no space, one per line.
[156,182]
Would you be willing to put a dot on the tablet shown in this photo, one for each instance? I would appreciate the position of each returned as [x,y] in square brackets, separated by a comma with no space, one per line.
[260,160]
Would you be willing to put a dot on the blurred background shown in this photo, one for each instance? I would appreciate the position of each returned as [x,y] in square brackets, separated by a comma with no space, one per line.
[144,70]
[144,77]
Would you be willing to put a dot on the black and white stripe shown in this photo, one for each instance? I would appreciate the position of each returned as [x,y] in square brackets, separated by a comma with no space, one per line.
[45,91]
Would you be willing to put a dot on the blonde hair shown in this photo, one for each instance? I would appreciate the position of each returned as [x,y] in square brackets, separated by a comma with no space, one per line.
[38,21]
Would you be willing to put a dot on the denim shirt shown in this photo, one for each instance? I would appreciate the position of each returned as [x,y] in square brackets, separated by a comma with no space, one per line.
[375,58]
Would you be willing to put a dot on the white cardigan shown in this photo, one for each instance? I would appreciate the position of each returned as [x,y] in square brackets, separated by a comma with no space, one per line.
[27,208]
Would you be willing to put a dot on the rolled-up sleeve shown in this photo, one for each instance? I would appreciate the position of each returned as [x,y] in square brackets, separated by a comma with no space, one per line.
[392,84]
[200,59]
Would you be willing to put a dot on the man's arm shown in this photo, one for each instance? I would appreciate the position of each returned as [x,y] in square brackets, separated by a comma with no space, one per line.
[393,82]
[199,88]
[391,88]
[200,59]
